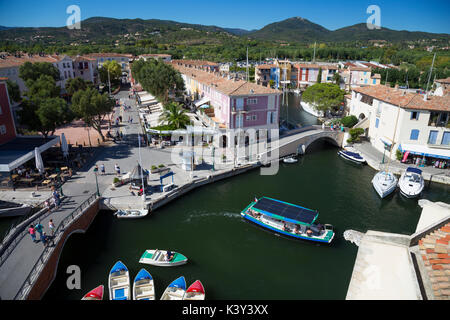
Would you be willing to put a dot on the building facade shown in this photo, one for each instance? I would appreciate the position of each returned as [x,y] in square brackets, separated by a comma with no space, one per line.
[403,121]
[232,104]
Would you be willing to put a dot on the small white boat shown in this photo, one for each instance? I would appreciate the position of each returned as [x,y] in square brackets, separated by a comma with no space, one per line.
[175,290]
[290,160]
[196,291]
[131,213]
[411,183]
[119,282]
[384,183]
[94,294]
[354,157]
[143,286]
[163,258]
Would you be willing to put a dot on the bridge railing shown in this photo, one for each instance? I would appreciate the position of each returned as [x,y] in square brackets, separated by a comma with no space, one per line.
[41,262]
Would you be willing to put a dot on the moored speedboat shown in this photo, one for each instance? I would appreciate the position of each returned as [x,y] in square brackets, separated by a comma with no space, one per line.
[288,220]
[131,213]
[143,286]
[119,282]
[175,290]
[163,258]
[384,183]
[411,183]
[354,157]
[196,291]
[94,294]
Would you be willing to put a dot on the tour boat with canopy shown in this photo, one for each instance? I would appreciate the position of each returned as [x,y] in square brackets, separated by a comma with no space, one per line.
[175,290]
[195,291]
[411,183]
[119,282]
[288,220]
[94,294]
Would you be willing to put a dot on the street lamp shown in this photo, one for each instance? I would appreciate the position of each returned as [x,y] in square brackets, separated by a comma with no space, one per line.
[96,180]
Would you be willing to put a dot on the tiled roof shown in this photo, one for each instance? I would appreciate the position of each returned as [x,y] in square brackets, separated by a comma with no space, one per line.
[444,80]
[405,100]
[376,76]
[266,66]
[223,84]
[12,61]
[359,69]
[435,250]
[196,62]
[106,55]
[155,55]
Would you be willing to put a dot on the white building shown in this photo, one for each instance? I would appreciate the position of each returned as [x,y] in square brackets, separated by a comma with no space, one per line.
[404,121]
[86,68]
[157,56]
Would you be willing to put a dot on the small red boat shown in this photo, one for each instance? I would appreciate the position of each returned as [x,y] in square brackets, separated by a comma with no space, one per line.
[95,294]
[195,292]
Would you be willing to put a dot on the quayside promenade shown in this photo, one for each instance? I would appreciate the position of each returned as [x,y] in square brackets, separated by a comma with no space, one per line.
[27,269]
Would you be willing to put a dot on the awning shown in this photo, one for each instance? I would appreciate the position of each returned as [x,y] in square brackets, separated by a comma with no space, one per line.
[202,101]
[21,149]
[425,151]
[386,141]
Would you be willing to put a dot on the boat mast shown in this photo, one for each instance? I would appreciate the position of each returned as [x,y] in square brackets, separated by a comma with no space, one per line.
[431,71]
[142,175]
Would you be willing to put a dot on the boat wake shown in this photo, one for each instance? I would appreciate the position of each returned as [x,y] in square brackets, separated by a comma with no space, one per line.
[212,214]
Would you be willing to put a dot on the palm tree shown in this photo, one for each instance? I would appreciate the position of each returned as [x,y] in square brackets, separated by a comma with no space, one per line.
[174,116]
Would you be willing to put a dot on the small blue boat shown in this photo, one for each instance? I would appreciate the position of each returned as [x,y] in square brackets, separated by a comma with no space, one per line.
[288,220]
[143,286]
[175,290]
[119,282]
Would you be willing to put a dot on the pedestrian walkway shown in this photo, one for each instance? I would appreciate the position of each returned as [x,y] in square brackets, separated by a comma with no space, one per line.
[82,185]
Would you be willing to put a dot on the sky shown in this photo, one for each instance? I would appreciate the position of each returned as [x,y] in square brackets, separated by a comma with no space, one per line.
[428,15]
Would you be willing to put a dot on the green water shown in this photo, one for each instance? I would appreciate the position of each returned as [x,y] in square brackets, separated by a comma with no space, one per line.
[236,260]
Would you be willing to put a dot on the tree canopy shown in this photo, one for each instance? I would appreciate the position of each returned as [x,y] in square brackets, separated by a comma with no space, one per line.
[92,107]
[115,71]
[324,96]
[33,71]
[175,116]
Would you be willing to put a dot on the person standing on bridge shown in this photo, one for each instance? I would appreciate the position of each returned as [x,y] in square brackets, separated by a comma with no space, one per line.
[39,228]
[51,226]
[32,233]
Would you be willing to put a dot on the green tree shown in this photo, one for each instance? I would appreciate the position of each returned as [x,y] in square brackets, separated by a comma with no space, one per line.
[115,71]
[52,113]
[33,71]
[75,84]
[174,116]
[92,107]
[13,91]
[324,96]
[319,76]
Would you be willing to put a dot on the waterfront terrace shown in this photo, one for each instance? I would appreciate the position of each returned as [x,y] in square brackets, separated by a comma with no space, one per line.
[231,103]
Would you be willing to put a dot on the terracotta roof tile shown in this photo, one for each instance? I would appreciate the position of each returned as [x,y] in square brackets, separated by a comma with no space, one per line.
[405,100]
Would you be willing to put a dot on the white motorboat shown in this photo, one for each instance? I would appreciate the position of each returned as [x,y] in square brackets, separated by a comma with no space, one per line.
[131,213]
[354,157]
[411,183]
[311,110]
[163,258]
[384,183]
[290,160]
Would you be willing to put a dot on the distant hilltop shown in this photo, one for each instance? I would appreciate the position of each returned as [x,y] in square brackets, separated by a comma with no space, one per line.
[296,29]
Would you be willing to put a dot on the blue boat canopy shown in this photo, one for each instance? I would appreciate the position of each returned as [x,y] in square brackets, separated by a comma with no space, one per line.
[290,212]
[178,283]
[414,170]
[143,274]
[353,154]
[119,266]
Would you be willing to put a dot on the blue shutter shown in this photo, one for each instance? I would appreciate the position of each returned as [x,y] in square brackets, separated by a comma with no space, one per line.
[414,134]
[377,122]
[446,138]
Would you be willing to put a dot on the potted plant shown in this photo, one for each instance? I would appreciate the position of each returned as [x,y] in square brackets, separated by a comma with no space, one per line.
[116,182]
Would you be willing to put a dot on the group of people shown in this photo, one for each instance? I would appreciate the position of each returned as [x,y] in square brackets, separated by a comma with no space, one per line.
[43,237]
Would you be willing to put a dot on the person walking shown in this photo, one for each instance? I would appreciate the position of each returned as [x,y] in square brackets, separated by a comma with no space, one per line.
[117,168]
[32,233]
[102,168]
[51,226]
[39,228]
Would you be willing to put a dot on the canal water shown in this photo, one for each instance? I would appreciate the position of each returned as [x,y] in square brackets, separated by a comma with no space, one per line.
[236,260]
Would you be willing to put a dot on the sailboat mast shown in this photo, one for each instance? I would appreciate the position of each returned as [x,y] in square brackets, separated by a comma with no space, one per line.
[431,71]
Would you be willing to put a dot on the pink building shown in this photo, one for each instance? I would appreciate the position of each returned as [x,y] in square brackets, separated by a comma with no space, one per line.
[231,103]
